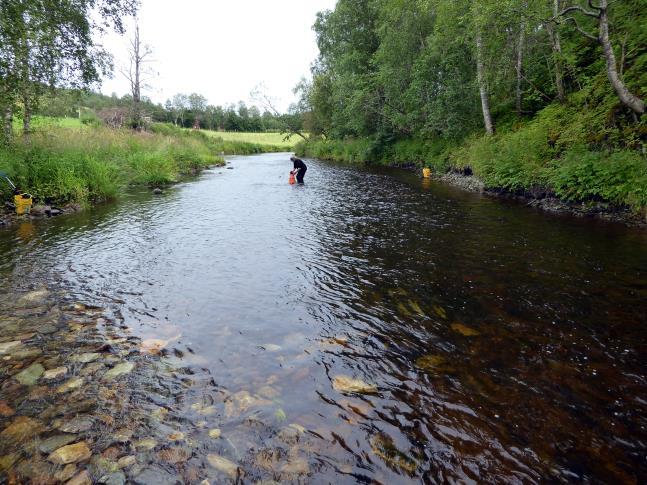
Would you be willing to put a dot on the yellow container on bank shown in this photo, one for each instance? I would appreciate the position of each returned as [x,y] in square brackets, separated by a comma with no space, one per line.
[23,203]
[426,172]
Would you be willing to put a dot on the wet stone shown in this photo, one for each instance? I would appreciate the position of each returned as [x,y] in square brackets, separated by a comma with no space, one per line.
[54,442]
[223,464]
[85,358]
[73,383]
[66,473]
[122,435]
[47,329]
[25,354]
[70,454]
[22,428]
[126,461]
[115,478]
[82,478]
[154,474]
[215,433]
[77,425]
[8,346]
[119,370]
[55,373]
[146,444]
[30,375]
[5,410]
[347,384]
[92,369]
[174,455]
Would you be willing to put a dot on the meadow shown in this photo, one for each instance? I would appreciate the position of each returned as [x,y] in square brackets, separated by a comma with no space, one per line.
[262,138]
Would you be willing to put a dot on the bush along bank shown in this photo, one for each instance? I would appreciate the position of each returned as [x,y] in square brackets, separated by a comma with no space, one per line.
[73,168]
[549,162]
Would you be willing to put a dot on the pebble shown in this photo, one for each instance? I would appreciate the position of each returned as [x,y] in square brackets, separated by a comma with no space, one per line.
[54,442]
[7,346]
[77,425]
[73,383]
[66,473]
[126,461]
[5,410]
[54,373]
[82,478]
[146,444]
[119,370]
[70,454]
[223,464]
[85,358]
[215,433]
[115,478]
[30,375]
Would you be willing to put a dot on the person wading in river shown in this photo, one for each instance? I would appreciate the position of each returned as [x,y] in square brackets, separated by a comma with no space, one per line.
[299,168]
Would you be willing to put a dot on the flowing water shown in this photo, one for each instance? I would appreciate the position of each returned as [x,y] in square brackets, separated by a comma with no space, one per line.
[366,327]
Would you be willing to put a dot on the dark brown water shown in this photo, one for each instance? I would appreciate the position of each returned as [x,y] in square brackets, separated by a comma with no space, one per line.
[490,343]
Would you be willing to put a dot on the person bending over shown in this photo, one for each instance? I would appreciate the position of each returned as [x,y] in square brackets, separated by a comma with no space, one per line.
[299,168]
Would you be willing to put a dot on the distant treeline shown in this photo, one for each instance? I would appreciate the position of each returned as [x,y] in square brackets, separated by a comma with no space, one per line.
[182,110]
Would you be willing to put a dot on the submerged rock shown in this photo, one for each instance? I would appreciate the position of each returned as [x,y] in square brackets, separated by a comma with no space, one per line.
[7,346]
[73,383]
[223,464]
[70,454]
[54,373]
[343,383]
[430,362]
[30,375]
[464,330]
[85,358]
[82,478]
[154,474]
[215,433]
[145,444]
[21,429]
[114,478]
[66,473]
[5,410]
[77,425]
[119,370]
[54,442]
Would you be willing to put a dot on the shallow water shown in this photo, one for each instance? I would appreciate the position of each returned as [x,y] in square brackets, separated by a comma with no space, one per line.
[491,343]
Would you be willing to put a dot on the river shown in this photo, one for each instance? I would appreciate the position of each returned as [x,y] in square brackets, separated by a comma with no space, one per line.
[366,327]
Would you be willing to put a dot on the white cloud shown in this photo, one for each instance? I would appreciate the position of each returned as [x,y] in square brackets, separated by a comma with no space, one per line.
[222,49]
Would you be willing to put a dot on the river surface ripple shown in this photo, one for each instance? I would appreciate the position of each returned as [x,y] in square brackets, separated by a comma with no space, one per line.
[366,327]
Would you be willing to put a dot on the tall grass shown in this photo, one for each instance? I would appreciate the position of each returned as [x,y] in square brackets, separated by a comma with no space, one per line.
[92,164]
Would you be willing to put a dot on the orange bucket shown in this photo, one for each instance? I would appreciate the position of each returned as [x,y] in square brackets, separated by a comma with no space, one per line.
[291,179]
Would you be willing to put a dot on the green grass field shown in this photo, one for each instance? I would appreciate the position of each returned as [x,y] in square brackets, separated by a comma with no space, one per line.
[276,139]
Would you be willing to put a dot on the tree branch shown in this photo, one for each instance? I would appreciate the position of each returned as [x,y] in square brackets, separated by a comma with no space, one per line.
[576,8]
[582,31]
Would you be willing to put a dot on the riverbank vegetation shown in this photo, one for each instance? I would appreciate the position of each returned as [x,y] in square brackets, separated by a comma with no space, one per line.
[535,98]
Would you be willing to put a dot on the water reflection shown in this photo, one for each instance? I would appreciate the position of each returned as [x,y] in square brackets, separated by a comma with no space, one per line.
[368,326]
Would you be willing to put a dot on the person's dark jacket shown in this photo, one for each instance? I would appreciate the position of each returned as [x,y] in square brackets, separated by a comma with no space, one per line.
[298,163]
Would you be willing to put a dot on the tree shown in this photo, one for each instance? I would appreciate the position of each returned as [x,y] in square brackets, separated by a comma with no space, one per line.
[601,14]
[45,44]
[138,73]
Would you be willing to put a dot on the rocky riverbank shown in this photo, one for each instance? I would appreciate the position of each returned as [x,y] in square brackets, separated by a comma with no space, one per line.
[546,202]
[83,401]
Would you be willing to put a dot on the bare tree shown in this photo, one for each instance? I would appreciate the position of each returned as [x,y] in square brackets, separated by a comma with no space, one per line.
[289,122]
[601,14]
[138,74]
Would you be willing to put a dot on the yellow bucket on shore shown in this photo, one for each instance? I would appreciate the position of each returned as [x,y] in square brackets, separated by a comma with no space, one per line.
[23,203]
[426,172]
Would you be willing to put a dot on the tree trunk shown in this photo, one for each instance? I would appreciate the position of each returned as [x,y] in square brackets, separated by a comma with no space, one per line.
[26,116]
[7,123]
[480,75]
[519,66]
[556,44]
[627,98]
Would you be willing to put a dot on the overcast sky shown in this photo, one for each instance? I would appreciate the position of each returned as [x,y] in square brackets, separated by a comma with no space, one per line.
[222,49]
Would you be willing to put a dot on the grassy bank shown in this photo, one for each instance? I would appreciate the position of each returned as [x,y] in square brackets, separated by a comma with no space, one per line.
[573,154]
[273,140]
[84,164]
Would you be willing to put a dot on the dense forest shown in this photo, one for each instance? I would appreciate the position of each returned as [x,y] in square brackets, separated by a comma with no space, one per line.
[529,95]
